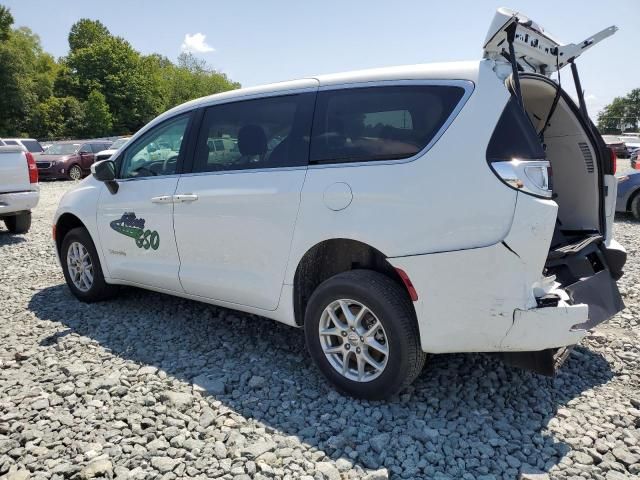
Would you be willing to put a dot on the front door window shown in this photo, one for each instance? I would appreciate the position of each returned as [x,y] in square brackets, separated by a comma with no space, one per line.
[155,153]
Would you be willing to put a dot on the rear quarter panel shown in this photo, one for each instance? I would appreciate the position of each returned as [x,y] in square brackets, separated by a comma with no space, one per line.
[446,199]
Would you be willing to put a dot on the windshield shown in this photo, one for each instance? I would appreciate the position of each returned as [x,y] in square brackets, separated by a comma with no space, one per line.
[63,149]
[118,143]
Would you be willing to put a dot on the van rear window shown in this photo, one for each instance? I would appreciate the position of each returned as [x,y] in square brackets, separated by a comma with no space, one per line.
[379,123]
[32,145]
[514,136]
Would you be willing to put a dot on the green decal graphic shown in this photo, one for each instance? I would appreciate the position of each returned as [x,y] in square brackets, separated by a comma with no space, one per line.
[133,227]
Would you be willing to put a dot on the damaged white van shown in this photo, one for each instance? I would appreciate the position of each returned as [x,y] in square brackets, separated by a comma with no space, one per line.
[391,213]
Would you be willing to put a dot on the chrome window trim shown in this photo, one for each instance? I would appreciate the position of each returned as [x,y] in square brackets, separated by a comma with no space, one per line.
[221,172]
[246,170]
[467,85]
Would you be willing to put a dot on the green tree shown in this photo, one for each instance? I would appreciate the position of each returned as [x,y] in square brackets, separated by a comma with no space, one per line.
[97,117]
[111,65]
[26,76]
[59,117]
[103,86]
[85,33]
[192,78]
[623,113]
[6,20]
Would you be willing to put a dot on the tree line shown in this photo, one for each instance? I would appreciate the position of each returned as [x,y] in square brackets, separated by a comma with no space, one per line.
[622,114]
[103,86]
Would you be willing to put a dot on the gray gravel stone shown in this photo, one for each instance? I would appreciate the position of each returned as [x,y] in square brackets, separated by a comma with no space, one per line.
[100,467]
[256,449]
[180,400]
[328,471]
[164,464]
[257,381]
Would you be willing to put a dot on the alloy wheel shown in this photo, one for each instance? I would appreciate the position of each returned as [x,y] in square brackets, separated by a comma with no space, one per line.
[353,340]
[80,266]
[75,173]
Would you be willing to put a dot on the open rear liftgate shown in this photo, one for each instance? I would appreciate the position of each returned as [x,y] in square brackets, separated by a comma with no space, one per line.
[584,267]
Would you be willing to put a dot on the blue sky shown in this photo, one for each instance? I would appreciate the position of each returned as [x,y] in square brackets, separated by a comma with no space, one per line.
[258,42]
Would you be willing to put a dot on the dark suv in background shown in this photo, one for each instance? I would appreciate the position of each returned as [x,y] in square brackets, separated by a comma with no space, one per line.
[70,159]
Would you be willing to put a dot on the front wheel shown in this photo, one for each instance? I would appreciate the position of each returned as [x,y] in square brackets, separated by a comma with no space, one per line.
[362,333]
[75,172]
[82,269]
[18,223]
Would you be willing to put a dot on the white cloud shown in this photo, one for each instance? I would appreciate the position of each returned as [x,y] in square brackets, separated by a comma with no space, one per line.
[196,43]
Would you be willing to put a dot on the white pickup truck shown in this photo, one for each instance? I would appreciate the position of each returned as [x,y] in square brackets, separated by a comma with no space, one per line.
[19,189]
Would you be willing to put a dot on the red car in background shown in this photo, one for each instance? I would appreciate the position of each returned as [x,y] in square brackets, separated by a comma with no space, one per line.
[70,159]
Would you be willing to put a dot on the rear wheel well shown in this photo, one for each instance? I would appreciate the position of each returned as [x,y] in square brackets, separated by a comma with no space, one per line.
[66,223]
[330,257]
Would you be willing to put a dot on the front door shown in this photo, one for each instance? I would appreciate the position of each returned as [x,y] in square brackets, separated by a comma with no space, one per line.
[86,156]
[235,215]
[136,223]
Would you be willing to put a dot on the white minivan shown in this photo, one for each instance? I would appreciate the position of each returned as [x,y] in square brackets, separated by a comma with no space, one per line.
[391,213]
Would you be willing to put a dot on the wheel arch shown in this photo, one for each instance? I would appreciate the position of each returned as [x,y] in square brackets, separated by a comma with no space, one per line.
[65,223]
[331,257]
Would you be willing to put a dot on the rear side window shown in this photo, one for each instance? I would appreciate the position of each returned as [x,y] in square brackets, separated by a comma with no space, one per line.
[98,147]
[32,146]
[11,142]
[262,133]
[379,123]
[514,136]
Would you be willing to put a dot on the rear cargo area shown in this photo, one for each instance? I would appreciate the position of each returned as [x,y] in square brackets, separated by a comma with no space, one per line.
[573,157]
[577,255]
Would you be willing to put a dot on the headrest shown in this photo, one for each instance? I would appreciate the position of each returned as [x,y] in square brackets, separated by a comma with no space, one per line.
[252,140]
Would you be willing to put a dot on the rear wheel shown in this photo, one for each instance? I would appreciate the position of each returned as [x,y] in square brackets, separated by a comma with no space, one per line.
[18,223]
[82,269]
[75,172]
[635,206]
[362,333]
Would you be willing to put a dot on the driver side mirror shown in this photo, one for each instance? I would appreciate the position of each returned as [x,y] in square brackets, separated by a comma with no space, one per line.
[105,171]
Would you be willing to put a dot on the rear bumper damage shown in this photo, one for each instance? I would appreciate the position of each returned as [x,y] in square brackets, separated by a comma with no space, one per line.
[504,298]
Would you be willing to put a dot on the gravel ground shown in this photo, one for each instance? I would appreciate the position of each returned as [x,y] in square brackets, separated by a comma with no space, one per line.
[150,386]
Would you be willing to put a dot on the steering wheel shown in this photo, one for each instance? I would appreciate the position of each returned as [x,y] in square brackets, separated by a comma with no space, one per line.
[167,162]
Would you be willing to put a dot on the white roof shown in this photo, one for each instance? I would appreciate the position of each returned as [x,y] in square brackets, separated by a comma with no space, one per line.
[431,71]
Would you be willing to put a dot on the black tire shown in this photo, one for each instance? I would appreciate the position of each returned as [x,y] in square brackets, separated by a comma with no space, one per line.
[635,206]
[75,172]
[390,303]
[20,223]
[99,290]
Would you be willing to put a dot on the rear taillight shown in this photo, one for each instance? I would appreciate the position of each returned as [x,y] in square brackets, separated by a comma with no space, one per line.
[614,161]
[528,176]
[33,168]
